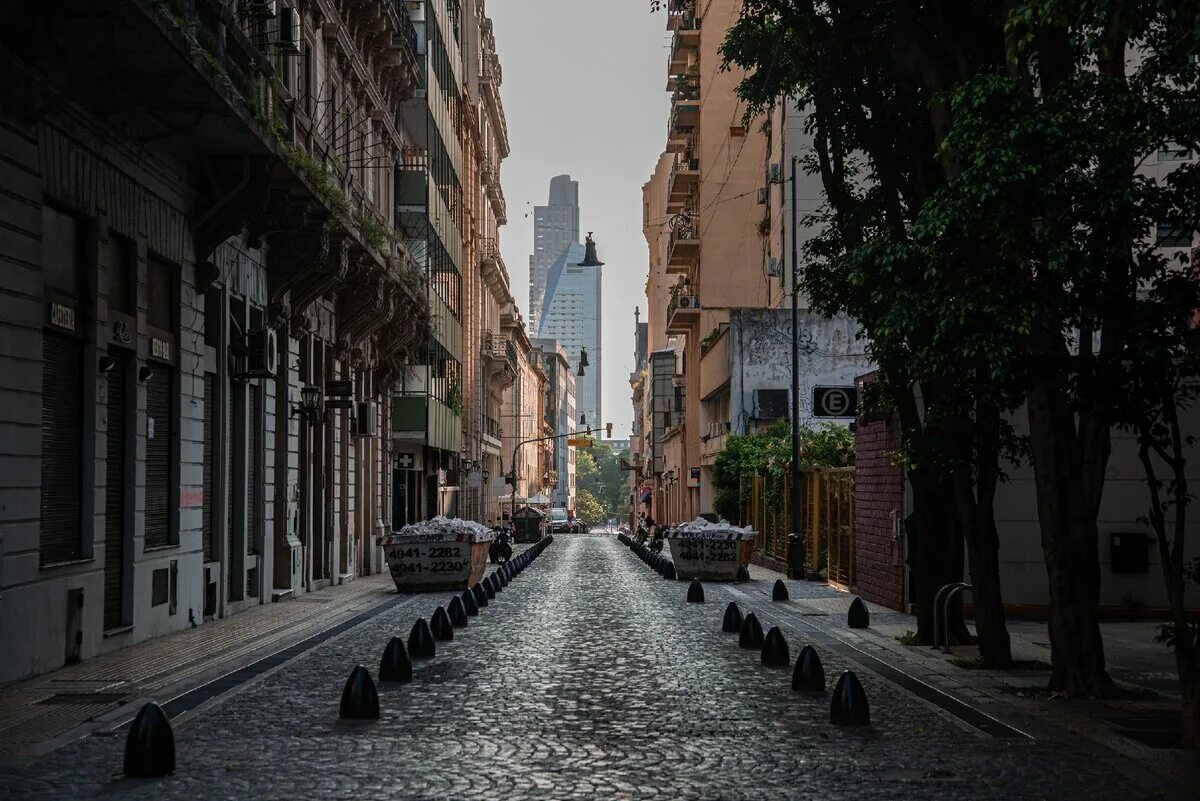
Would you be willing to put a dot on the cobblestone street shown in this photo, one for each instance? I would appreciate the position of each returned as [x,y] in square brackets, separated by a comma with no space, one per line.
[588,677]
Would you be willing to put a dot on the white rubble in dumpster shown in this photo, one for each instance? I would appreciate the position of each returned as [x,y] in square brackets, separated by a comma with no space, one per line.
[444,529]
[702,529]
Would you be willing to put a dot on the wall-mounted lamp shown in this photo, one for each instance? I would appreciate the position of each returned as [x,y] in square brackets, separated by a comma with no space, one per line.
[309,407]
[145,373]
[106,365]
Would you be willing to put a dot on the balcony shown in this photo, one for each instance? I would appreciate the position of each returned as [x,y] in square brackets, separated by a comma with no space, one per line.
[685,111]
[713,442]
[499,356]
[685,45]
[683,310]
[683,251]
[685,178]
[491,266]
[492,436]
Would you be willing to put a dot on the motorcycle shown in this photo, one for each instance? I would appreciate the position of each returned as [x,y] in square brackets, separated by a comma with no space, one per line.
[501,549]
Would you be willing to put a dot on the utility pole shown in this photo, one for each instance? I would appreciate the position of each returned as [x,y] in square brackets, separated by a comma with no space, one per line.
[796,540]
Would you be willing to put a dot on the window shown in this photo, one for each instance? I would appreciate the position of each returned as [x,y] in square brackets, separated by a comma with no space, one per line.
[1172,151]
[1170,235]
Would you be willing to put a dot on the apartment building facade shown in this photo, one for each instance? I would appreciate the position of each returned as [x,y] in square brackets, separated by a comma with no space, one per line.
[195,370]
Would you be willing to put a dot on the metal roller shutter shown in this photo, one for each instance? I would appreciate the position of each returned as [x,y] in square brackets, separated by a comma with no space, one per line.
[158,456]
[208,521]
[62,448]
[114,496]
[230,449]
[252,477]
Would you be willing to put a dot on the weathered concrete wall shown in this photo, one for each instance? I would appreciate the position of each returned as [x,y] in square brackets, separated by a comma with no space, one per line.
[760,353]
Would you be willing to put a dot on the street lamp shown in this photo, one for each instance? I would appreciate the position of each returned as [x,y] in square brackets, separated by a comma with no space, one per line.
[583,362]
[795,553]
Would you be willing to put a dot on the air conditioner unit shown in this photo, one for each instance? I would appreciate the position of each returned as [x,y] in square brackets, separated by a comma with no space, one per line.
[288,38]
[762,195]
[771,404]
[262,353]
[688,302]
[775,174]
[774,270]
[363,424]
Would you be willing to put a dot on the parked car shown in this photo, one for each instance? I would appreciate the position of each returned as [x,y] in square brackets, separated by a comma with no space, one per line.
[560,523]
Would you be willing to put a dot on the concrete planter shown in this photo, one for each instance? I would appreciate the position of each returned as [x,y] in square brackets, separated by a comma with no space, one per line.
[710,551]
[437,555]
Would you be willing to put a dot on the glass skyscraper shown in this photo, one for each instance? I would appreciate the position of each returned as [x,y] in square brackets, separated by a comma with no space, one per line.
[564,298]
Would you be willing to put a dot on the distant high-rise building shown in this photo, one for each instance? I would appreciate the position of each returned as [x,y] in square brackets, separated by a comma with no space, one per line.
[555,227]
[564,295]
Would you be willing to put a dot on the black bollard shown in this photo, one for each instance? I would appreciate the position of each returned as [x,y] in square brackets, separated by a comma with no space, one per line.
[150,745]
[458,612]
[750,636]
[743,573]
[669,571]
[779,591]
[849,705]
[732,622]
[489,587]
[481,596]
[420,641]
[395,665]
[360,701]
[440,626]
[775,651]
[497,585]
[858,617]
[809,675]
[470,605]
[695,592]
[502,577]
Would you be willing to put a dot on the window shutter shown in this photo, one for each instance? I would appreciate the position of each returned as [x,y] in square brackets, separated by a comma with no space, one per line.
[114,493]
[62,448]
[158,456]
[208,535]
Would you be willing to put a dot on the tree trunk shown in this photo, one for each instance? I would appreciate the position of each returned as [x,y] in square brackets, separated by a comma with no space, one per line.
[1069,469]
[1187,659]
[936,555]
[991,628]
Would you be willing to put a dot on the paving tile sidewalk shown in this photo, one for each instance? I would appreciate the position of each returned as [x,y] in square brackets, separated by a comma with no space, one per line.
[40,713]
[1017,697]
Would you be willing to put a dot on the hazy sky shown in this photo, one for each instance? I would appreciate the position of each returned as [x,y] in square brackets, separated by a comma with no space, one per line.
[585,94]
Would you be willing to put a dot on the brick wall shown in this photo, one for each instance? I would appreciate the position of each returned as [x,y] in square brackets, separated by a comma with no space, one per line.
[878,500]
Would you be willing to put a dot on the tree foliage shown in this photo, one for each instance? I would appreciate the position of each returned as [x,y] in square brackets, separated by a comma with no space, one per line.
[769,453]
[588,510]
[993,197]
[598,471]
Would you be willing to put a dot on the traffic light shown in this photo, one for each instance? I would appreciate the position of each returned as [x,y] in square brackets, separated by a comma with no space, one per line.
[609,427]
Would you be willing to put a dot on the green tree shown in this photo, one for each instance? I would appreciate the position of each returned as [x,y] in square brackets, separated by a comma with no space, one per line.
[598,471]
[587,509]
[873,76]
[769,453]
[989,226]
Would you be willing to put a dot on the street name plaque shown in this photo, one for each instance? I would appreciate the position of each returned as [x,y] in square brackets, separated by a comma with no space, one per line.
[437,555]
[712,551]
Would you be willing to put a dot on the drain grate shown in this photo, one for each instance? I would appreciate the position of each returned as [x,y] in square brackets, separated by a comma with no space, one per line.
[102,699]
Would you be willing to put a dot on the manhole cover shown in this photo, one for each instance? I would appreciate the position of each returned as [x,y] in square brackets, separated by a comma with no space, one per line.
[83,698]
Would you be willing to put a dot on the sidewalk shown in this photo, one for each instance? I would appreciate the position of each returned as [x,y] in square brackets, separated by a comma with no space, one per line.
[40,713]
[1018,697]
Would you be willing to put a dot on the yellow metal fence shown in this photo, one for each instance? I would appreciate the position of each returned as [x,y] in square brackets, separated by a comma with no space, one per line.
[827,495]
